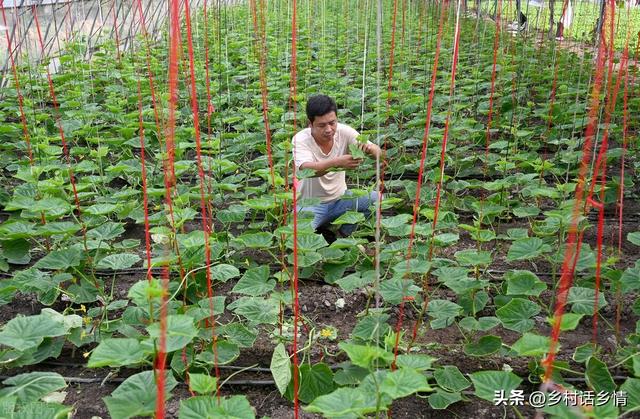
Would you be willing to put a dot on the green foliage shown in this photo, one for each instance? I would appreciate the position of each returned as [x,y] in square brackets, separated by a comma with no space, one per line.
[506,206]
[137,395]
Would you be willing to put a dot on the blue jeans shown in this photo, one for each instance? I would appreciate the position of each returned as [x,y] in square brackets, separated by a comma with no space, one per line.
[328,211]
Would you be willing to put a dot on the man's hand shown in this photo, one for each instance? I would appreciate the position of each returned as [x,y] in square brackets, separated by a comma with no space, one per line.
[370,149]
[347,162]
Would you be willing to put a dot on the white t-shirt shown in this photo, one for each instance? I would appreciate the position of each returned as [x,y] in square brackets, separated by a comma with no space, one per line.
[332,185]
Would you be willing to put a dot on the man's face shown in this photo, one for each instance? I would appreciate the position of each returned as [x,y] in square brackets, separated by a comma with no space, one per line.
[324,127]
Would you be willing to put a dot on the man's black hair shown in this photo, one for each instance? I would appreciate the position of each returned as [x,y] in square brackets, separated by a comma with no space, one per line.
[319,105]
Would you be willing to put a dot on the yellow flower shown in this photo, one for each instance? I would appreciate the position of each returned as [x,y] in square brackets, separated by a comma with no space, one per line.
[83,308]
[326,333]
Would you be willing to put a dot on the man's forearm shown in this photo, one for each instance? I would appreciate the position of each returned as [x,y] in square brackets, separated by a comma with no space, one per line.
[320,167]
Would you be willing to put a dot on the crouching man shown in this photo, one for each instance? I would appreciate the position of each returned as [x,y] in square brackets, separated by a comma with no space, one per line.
[324,147]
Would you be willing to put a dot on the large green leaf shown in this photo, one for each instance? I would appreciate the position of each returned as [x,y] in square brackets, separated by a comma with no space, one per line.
[349,217]
[16,251]
[226,352]
[524,283]
[632,388]
[37,410]
[412,266]
[239,334]
[583,300]
[106,231]
[260,240]
[116,352]
[180,331]
[17,230]
[315,381]
[531,344]
[32,386]
[395,221]
[308,242]
[349,374]
[58,227]
[356,280]
[449,239]
[263,203]
[255,282]
[371,327]
[634,237]
[137,395]
[630,280]
[441,309]
[583,352]
[529,211]
[442,399]
[281,368]
[403,382]
[306,259]
[417,362]
[473,257]
[450,378]
[118,261]
[345,402]
[224,272]
[486,345]
[257,310]
[516,314]
[395,290]
[202,383]
[232,214]
[527,248]
[204,308]
[207,407]
[364,355]
[61,259]
[569,321]
[24,333]
[486,383]
[598,376]
[100,209]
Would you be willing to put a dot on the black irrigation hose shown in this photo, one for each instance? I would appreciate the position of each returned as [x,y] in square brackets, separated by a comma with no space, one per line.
[118,380]
[332,367]
[222,367]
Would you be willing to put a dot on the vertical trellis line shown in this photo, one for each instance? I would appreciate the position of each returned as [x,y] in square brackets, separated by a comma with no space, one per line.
[174,43]
[364,61]
[56,111]
[203,202]
[23,117]
[496,44]
[601,166]
[381,165]
[152,89]
[115,29]
[145,197]
[620,206]
[423,156]
[261,46]
[574,238]
[296,302]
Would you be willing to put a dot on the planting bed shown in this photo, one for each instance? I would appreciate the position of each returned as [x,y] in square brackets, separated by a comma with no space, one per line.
[132,243]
